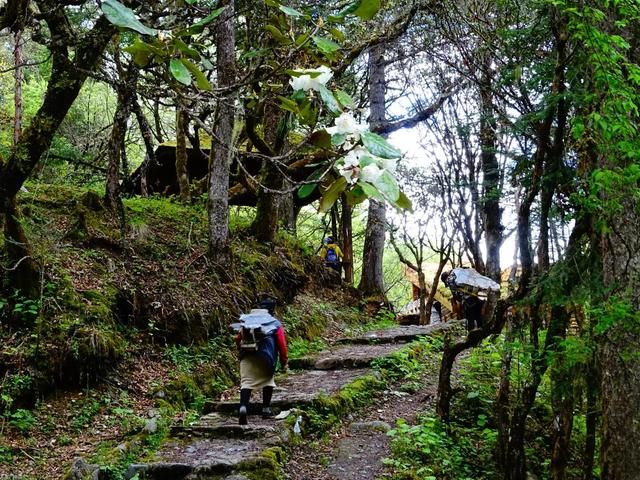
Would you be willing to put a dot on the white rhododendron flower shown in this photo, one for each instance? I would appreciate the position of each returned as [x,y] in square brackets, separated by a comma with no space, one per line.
[347,125]
[307,82]
[350,166]
[370,173]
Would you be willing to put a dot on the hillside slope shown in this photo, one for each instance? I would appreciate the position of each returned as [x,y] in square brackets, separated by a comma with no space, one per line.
[133,327]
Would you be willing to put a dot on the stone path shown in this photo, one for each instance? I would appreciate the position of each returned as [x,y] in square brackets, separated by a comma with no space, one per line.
[216,447]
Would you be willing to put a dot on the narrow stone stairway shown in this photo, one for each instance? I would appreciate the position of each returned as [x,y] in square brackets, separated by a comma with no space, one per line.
[215,447]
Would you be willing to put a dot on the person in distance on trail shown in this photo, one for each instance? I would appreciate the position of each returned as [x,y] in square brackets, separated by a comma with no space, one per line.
[331,254]
[259,354]
[465,285]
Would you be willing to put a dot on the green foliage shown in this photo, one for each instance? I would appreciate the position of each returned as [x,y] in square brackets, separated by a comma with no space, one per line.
[23,420]
[124,17]
[427,451]
[301,347]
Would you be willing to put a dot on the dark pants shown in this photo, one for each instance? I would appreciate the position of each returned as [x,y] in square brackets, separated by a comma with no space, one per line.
[472,309]
[245,396]
[337,266]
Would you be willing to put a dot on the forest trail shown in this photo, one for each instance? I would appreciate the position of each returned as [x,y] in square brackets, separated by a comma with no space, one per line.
[216,447]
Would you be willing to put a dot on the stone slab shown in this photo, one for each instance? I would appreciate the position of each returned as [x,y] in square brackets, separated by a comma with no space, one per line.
[399,334]
[297,389]
[347,357]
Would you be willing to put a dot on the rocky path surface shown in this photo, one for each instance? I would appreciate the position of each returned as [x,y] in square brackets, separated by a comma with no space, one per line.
[216,447]
[358,449]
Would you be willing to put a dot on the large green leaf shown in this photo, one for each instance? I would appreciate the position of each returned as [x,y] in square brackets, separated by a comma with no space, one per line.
[124,17]
[371,191]
[388,186]
[378,146]
[367,9]
[320,138]
[331,195]
[186,49]
[141,53]
[329,100]
[289,105]
[326,45]
[403,202]
[292,12]
[307,189]
[338,139]
[201,79]
[277,34]
[349,9]
[179,71]
[344,98]
[356,195]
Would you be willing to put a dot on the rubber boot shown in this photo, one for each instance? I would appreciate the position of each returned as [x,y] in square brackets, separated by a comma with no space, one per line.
[267,393]
[245,396]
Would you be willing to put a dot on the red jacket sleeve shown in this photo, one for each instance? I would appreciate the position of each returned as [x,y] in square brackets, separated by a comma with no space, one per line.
[281,343]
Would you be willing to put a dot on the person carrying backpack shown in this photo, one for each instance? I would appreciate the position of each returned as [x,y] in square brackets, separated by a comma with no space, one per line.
[331,254]
[467,286]
[261,343]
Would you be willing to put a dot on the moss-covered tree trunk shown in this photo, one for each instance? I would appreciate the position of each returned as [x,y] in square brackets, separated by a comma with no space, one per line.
[221,152]
[619,341]
[126,92]
[266,222]
[182,172]
[147,137]
[18,61]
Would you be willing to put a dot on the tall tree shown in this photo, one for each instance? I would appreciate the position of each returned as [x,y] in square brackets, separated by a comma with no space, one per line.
[372,280]
[182,172]
[222,147]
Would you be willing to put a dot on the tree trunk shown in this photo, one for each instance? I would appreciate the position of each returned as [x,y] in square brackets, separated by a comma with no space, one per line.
[182,172]
[619,362]
[288,211]
[434,285]
[126,93]
[424,318]
[562,400]
[591,422]
[491,172]
[372,280]
[563,425]
[267,218]
[347,240]
[62,89]
[221,153]
[147,137]
[24,272]
[502,401]
[18,61]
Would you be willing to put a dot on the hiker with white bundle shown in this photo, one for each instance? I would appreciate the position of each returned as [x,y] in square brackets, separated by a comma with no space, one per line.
[469,292]
[261,343]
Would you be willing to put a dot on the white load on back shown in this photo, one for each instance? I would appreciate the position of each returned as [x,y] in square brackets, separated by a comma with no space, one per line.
[253,327]
[473,283]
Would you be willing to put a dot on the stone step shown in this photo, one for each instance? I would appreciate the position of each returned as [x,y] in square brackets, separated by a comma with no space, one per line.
[214,425]
[399,334]
[294,390]
[346,357]
[205,458]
